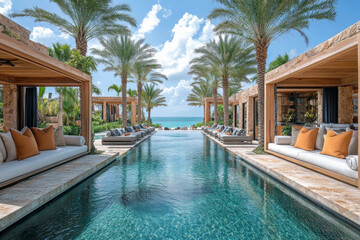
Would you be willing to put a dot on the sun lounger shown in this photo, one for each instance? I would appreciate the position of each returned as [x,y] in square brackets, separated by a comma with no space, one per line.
[238,137]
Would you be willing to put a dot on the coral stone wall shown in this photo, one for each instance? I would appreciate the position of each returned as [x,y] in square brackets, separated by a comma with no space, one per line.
[345,102]
[10,107]
[20,33]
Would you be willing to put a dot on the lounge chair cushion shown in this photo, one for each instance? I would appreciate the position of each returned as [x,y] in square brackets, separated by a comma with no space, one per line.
[330,163]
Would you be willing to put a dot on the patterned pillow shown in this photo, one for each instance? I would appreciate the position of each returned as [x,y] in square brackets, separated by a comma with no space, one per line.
[241,132]
[113,133]
[235,132]
[59,136]
[214,125]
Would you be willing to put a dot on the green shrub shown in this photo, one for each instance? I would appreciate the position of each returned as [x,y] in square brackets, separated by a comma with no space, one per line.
[105,126]
[156,125]
[286,131]
[71,130]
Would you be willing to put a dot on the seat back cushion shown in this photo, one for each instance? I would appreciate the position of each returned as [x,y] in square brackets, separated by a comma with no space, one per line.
[2,149]
[353,146]
[59,136]
[10,146]
[25,143]
[336,145]
[306,139]
[320,138]
[294,135]
[44,138]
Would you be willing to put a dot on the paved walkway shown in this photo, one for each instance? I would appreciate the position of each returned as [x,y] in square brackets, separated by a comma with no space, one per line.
[337,196]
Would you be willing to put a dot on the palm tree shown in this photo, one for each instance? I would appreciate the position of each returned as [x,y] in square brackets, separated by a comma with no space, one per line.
[119,55]
[262,21]
[116,88]
[63,53]
[144,72]
[205,74]
[232,58]
[132,93]
[84,20]
[280,60]
[198,93]
[152,98]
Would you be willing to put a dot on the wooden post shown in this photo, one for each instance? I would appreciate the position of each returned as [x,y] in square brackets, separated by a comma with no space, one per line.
[104,112]
[250,126]
[207,112]
[86,92]
[133,113]
[269,114]
[117,112]
[358,59]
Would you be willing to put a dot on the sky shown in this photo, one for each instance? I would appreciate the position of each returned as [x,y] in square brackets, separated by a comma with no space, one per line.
[175,28]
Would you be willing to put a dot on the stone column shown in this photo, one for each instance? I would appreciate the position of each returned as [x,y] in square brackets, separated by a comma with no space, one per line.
[207,112]
[320,106]
[10,107]
[345,105]
[104,111]
[133,113]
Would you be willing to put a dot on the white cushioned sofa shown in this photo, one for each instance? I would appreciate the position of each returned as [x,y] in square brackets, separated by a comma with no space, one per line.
[329,165]
[13,171]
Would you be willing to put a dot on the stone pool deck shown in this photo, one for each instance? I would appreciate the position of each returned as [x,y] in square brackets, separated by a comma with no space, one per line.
[341,198]
[20,199]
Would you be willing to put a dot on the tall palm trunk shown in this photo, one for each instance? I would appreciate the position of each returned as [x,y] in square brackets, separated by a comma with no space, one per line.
[149,115]
[215,105]
[204,112]
[81,45]
[225,85]
[123,98]
[61,112]
[261,55]
[139,89]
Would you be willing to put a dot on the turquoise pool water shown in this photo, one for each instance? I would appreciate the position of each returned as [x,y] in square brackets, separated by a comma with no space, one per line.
[172,122]
[180,185]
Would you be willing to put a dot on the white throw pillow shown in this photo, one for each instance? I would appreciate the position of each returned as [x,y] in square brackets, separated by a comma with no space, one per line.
[10,146]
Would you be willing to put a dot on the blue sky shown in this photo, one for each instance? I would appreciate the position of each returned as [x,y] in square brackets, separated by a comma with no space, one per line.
[175,28]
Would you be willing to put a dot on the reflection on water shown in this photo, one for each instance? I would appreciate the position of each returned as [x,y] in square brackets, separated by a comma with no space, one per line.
[180,185]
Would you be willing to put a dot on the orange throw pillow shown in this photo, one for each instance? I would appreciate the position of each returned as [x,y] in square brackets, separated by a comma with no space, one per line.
[25,144]
[137,130]
[337,145]
[228,133]
[127,134]
[306,139]
[44,138]
[218,130]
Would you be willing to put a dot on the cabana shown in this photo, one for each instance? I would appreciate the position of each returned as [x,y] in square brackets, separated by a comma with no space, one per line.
[331,70]
[24,65]
[110,107]
[208,101]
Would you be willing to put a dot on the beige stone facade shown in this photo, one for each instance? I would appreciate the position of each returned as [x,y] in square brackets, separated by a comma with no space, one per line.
[10,107]
[345,103]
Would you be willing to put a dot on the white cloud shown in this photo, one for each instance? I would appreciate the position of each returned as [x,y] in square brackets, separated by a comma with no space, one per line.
[46,35]
[292,53]
[5,6]
[149,23]
[167,13]
[98,82]
[176,54]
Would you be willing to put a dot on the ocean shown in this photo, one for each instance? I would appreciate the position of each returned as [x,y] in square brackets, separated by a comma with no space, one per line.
[172,122]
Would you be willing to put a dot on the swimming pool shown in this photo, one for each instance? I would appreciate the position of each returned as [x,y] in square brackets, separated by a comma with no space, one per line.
[180,185]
